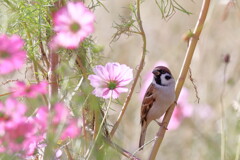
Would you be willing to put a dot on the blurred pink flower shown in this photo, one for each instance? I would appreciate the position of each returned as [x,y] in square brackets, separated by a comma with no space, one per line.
[11,112]
[148,77]
[12,55]
[71,131]
[19,136]
[109,80]
[42,118]
[72,24]
[30,91]
[183,110]
[17,133]
[61,113]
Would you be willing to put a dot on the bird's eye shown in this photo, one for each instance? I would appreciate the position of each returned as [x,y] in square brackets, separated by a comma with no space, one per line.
[168,77]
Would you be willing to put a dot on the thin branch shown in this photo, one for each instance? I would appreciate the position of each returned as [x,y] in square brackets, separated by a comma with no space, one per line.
[120,150]
[139,21]
[81,67]
[194,85]
[53,77]
[68,153]
[182,76]
[6,94]
[44,55]
[223,136]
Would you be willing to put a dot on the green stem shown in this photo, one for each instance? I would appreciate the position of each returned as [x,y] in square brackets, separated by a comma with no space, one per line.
[100,129]
[238,149]
[141,65]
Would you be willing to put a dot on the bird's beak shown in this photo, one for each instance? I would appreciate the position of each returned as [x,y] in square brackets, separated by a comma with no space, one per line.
[155,72]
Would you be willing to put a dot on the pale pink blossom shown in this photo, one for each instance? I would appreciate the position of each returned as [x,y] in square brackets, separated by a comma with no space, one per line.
[12,55]
[72,24]
[110,80]
[58,155]
[182,110]
[31,91]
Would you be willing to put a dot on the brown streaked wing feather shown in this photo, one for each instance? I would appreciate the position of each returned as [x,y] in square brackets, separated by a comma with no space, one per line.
[147,103]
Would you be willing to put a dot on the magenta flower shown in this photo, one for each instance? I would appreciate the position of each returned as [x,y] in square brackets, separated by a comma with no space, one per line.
[17,133]
[42,118]
[20,136]
[30,91]
[12,55]
[10,112]
[72,24]
[110,80]
[71,131]
[61,116]
[61,113]
[183,110]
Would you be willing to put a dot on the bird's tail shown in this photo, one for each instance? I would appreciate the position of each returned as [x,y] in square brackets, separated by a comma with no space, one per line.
[142,136]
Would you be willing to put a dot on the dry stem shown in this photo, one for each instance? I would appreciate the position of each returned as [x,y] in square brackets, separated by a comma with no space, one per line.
[53,78]
[137,74]
[120,150]
[182,76]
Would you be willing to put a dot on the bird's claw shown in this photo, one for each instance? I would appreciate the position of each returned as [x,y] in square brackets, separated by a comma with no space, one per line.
[163,124]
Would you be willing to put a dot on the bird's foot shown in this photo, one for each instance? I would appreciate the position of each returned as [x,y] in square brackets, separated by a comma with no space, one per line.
[163,124]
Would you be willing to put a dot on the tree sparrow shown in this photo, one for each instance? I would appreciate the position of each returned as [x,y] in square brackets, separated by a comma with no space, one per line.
[158,97]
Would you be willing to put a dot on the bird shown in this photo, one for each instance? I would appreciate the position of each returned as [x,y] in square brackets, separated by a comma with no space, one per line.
[157,99]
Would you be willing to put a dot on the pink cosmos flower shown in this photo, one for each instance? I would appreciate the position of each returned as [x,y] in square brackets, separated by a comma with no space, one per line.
[109,80]
[183,110]
[12,55]
[72,24]
[30,91]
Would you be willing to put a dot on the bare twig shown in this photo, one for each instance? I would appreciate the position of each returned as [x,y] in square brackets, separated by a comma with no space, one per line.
[81,67]
[182,76]
[53,77]
[139,21]
[120,150]
[194,85]
[44,55]
[223,138]
[68,153]
[6,94]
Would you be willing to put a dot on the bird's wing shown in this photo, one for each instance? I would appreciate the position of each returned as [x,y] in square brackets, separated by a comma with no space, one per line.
[147,103]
